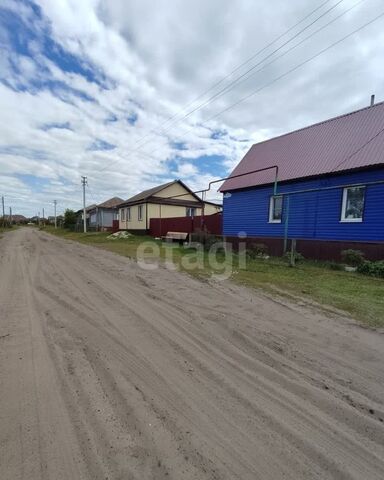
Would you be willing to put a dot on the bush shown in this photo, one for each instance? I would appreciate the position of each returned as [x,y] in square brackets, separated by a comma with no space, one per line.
[298,257]
[70,219]
[373,269]
[257,250]
[334,265]
[353,258]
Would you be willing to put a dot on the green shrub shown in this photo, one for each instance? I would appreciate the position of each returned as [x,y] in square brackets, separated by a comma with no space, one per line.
[353,258]
[257,250]
[70,218]
[373,269]
[335,266]
[298,257]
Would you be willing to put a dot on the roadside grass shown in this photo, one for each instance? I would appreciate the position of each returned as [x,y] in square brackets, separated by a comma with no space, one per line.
[8,229]
[358,295]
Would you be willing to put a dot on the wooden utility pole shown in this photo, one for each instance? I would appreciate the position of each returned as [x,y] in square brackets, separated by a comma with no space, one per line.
[55,203]
[2,201]
[84,183]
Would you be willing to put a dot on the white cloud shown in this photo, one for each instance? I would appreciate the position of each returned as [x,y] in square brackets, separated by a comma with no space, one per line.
[151,58]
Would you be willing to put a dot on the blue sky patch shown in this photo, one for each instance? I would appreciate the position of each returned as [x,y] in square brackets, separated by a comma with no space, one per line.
[212,165]
[179,145]
[21,36]
[132,118]
[99,144]
[35,183]
[50,126]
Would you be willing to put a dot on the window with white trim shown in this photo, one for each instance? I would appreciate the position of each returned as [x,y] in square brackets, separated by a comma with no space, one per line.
[275,209]
[122,214]
[140,213]
[128,214]
[190,211]
[352,207]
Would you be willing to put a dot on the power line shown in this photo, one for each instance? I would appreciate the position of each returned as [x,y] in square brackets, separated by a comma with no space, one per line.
[249,60]
[276,79]
[358,150]
[221,92]
[231,86]
[288,72]
[238,80]
[241,100]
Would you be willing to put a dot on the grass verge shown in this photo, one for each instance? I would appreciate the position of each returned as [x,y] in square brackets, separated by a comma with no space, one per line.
[358,295]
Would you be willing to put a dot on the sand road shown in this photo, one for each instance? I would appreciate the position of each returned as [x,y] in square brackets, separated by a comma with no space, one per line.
[108,371]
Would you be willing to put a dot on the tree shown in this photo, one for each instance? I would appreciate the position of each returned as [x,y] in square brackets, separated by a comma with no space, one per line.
[69,218]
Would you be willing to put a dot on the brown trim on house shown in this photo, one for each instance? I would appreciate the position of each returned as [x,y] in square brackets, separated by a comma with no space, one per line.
[315,249]
[163,201]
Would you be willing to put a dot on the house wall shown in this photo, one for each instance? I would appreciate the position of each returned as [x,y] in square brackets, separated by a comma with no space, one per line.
[211,209]
[312,215]
[134,223]
[106,217]
[174,190]
[102,217]
[155,210]
[168,211]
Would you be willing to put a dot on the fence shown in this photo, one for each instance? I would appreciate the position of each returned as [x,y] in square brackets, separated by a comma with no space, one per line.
[211,224]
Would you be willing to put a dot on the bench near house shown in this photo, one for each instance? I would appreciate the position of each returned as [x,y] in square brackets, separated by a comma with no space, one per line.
[172,199]
[330,189]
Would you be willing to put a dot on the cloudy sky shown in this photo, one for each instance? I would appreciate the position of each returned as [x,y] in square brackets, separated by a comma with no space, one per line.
[133,93]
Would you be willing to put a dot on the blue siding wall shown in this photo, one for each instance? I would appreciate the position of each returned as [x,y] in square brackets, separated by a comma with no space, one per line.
[312,215]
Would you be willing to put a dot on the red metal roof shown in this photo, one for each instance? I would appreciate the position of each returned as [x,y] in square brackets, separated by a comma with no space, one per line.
[342,143]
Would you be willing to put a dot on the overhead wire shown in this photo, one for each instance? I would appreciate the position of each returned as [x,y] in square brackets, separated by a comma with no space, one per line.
[138,142]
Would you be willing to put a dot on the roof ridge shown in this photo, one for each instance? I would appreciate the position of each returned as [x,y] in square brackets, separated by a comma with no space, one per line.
[319,123]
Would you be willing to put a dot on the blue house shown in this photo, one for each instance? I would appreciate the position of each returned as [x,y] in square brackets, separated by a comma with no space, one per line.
[100,217]
[322,185]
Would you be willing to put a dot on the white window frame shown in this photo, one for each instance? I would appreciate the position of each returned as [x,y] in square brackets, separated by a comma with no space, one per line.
[128,214]
[343,218]
[140,213]
[189,211]
[122,214]
[271,207]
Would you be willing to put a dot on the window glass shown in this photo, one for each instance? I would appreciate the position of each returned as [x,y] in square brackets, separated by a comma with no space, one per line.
[276,209]
[140,213]
[353,204]
[190,211]
[122,211]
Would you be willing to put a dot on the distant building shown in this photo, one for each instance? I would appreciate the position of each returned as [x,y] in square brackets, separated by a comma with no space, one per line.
[16,219]
[172,199]
[100,217]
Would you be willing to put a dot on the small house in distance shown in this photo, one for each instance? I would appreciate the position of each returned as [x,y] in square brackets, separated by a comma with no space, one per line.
[172,199]
[100,217]
[330,189]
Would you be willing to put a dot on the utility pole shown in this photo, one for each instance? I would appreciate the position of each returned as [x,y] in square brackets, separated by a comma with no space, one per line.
[2,201]
[10,216]
[84,183]
[43,218]
[55,203]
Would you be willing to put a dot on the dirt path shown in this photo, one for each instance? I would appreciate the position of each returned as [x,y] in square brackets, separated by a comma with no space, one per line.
[111,372]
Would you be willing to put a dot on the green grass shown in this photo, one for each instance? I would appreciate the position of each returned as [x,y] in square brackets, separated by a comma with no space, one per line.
[8,229]
[358,295]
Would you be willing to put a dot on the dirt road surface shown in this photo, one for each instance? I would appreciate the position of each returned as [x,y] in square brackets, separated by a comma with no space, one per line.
[108,371]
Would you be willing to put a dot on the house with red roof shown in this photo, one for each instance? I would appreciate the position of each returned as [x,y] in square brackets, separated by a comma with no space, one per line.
[322,185]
